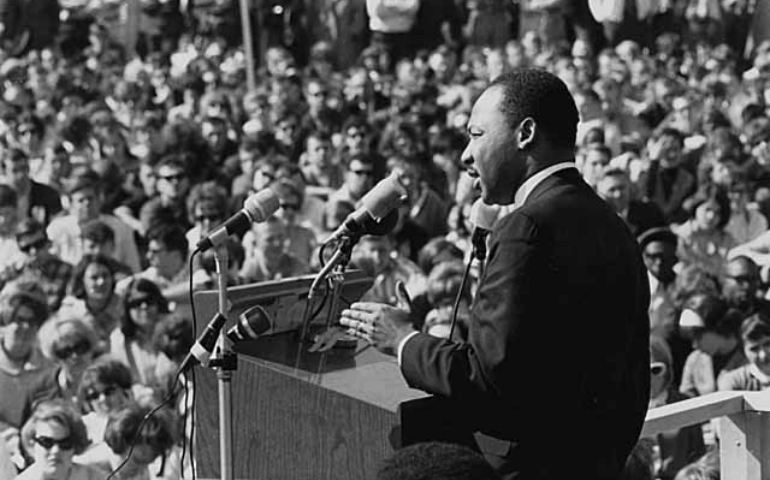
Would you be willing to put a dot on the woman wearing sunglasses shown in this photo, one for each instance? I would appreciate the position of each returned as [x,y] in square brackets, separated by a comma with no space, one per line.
[52,436]
[676,448]
[132,343]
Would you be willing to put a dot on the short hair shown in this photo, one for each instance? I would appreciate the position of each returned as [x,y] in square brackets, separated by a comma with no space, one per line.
[755,327]
[172,236]
[714,312]
[97,231]
[8,197]
[599,147]
[672,132]
[105,372]
[174,336]
[61,330]
[613,172]
[536,93]
[177,161]
[23,293]
[77,287]
[123,429]
[62,413]
[84,179]
[140,287]
[209,193]
[436,461]
[436,251]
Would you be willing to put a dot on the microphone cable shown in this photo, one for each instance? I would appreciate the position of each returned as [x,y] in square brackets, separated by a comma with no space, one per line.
[192,378]
[459,296]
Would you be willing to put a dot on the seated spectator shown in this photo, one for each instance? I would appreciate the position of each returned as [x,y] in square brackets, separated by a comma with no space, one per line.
[71,345]
[436,461]
[746,222]
[755,375]
[99,239]
[741,287]
[703,240]
[132,343]
[614,186]
[92,296]
[12,258]
[85,197]
[172,186]
[714,331]
[359,179]
[311,212]
[155,454]
[376,256]
[668,184]
[36,200]
[302,240]
[41,266]
[23,309]
[658,247]
[53,435]
[207,208]
[677,447]
[271,259]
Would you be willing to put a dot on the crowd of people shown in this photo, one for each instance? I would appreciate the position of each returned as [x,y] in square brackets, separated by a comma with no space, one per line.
[116,158]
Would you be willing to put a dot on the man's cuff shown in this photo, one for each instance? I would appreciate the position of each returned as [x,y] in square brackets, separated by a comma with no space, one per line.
[402,343]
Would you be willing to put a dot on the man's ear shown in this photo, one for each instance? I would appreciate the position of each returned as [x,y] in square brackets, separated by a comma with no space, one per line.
[526,133]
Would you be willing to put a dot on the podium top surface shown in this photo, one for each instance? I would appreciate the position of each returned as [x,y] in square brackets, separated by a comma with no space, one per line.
[362,372]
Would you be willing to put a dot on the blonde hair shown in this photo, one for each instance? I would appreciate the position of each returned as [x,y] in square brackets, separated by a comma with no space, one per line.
[60,328]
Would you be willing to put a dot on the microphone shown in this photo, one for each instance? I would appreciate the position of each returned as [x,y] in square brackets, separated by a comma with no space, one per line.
[483,217]
[372,216]
[251,324]
[257,208]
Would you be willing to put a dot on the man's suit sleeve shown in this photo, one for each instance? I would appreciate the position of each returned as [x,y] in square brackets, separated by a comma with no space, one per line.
[491,360]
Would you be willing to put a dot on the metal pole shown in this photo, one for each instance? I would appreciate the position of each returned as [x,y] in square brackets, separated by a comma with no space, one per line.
[248,46]
[224,375]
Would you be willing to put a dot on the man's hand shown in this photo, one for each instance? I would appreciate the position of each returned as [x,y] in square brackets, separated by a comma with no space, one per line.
[381,325]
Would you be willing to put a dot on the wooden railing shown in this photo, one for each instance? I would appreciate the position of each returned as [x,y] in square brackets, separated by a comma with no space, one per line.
[744,429]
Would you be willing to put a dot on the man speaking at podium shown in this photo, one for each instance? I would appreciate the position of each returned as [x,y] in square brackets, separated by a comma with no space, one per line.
[555,373]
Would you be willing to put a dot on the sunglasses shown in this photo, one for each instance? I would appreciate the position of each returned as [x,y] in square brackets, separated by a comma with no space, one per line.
[368,173]
[79,348]
[173,178]
[48,442]
[210,218]
[95,394]
[138,302]
[289,206]
[657,368]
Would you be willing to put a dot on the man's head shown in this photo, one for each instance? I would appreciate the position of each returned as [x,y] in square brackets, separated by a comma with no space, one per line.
[741,282]
[755,336]
[671,144]
[524,121]
[596,157]
[359,177]
[614,186]
[85,194]
[24,309]
[172,180]
[32,238]
[318,149]
[16,168]
[98,238]
[659,251]
[271,238]
[167,249]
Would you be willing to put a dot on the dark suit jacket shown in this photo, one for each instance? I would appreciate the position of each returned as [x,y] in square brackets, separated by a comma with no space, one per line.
[643,216]
[557,361]
[44,202]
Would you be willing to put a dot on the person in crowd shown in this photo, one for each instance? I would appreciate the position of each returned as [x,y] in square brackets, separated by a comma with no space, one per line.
[36,200]
[703,240]
[595,157]
[741,287]
[443,287]
[71,345]
[659,252]
[155,453]
[207,207]
[22,364]
[435,461]
[311,211]
[746,222]
[41,266]
[521,150]
[678,447]
[85,197]
[133,343]
[376,256]
[53,435]
[12,258]
[755,340]
[668,184]
[173,186]
[318,165]
[271,259]
[302,239]
[99,239]
[614,186]
[359,179]
[92,296]
[713,329]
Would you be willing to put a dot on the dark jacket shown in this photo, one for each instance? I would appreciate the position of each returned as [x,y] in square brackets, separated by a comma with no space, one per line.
[557,359]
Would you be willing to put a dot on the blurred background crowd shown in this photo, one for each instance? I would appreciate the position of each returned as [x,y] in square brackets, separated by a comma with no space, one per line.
[129,129]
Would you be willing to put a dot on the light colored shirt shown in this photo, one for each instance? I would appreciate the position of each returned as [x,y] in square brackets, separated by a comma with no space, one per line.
[64,233]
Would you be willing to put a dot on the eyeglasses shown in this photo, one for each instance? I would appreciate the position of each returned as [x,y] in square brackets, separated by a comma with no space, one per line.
[48,442]
[79,348]
[178,177]
[741,278]
[368,173]
[138,302]
[289,206]
[95,394]
[210,218]
[657,368]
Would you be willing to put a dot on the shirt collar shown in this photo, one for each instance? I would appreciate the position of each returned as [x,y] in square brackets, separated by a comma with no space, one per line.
[532,182]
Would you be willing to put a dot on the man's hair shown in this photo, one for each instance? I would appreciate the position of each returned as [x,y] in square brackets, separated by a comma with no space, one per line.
[532,92]
[172,236]
[613,172]
[436,461]
[755,327]
[98,232]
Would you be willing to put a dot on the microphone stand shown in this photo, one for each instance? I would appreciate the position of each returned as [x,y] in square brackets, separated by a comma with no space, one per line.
[224,364]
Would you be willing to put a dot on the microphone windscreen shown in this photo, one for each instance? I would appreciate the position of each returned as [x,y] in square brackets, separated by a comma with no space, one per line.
[251,324]
[371,226]
[262,205]
[385,197]
[483,215]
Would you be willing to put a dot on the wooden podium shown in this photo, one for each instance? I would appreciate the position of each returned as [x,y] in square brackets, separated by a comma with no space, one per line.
[297,414]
